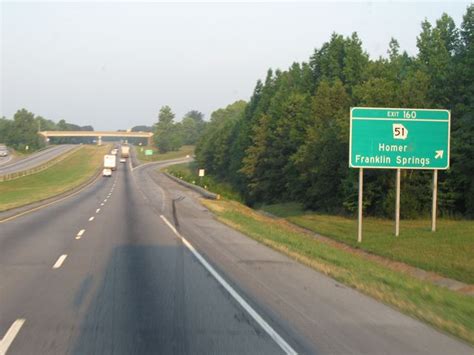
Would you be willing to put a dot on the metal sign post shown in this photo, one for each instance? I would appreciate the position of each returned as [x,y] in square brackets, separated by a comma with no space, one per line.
[361,192]
[435,202]
[397,205]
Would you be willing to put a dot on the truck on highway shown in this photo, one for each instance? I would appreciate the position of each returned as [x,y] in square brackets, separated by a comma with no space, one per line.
[125,151]
[110,162]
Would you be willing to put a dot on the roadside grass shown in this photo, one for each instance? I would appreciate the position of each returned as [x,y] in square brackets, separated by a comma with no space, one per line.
[189,172]
[61,177]
[449,251]
[447,310]
[157,156]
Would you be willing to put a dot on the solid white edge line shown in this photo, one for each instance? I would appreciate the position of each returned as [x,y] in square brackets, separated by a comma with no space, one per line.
[10,335]
[91,219]
[270,331]
[60,261]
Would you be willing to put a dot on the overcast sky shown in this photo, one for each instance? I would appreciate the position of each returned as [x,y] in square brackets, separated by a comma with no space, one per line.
[113,65]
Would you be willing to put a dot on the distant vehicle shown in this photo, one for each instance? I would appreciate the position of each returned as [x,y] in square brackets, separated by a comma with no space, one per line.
[107,172]
[3,150]
[110,161]
[125,151]
[114,151]
[123,160]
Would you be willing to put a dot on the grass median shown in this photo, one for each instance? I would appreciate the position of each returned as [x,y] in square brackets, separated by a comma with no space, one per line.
[449,251]
[157,156]
[61,177]
[447,310]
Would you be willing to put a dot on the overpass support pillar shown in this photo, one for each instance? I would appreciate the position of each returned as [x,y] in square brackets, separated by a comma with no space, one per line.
[99,140]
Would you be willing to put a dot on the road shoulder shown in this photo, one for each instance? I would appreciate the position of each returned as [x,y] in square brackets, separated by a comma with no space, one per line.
[312,302]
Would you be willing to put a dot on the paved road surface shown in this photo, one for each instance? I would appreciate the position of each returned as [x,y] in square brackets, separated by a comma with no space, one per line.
[4,160]
[34,159]
[103,272]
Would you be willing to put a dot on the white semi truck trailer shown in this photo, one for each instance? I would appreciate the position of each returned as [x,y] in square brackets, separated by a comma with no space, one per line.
[110,162]
[125,151]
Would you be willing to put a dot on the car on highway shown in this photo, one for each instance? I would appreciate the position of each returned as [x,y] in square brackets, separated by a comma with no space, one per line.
[114,151]
[3,150]
[123,160]
[107,172]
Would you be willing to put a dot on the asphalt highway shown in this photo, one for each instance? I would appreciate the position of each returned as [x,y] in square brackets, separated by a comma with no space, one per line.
[7,159]
[134,264]
[34,159]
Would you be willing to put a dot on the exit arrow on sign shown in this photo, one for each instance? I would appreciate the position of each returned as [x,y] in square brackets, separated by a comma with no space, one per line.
[439,154]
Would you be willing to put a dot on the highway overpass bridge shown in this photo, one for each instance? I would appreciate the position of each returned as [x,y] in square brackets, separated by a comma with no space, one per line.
[97,134]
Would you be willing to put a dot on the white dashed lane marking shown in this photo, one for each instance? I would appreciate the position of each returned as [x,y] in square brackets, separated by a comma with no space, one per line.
[10,335]
[79,235]
[60,261]
[91,219]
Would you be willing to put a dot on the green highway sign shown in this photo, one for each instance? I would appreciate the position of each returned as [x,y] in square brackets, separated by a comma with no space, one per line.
[149,152]
[398,138]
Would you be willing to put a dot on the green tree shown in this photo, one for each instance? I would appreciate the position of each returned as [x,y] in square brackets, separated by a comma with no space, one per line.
[291,142]
[322,158]
[459,184]
[5,129]
[24,132]
[213,151]
[167,134]
[193,125]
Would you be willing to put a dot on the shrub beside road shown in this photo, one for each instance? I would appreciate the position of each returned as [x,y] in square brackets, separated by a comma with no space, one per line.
[189,173]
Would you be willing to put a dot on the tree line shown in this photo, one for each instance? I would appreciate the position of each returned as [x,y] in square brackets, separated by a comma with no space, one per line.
[170,135]
[290,142]
[21,132]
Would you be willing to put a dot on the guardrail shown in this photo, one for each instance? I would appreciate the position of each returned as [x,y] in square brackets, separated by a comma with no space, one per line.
[204,193]
[38,168]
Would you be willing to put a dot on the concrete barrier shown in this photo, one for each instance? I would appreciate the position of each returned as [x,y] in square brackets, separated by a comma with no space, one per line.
[204,193]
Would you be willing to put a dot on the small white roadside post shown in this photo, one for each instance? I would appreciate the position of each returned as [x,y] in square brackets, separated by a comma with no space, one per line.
[435,202]
[361,192]
[397,205]
[202,172]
